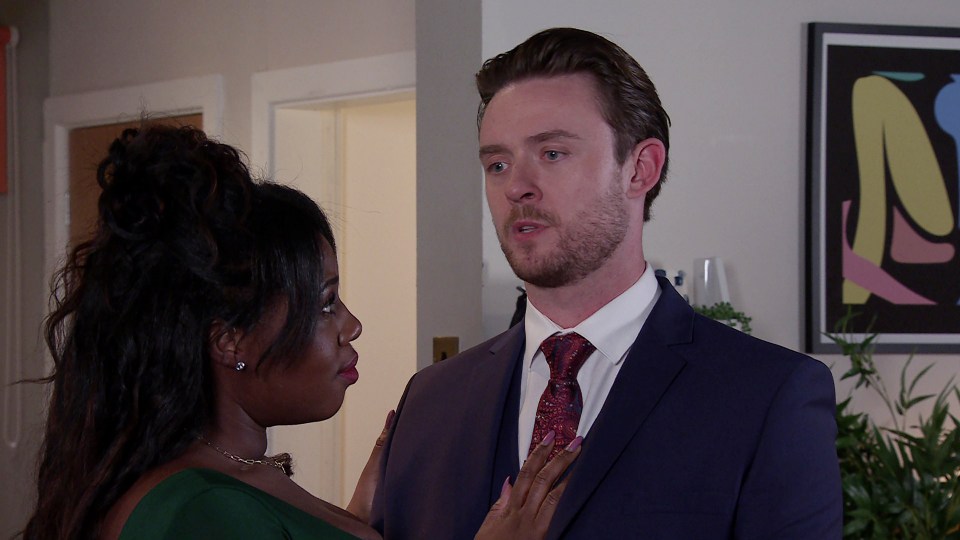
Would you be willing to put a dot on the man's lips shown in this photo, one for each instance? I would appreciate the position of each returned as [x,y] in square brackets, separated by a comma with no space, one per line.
[527,227]
[526,220]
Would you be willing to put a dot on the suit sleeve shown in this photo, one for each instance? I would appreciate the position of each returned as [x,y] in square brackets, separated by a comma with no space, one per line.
[378,510]
[793,490]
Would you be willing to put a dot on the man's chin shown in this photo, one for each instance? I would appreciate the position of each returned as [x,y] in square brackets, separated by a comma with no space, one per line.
[536,269]
[545,278]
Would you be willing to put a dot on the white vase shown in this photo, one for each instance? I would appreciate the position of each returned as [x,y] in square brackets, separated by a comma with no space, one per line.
[709,282]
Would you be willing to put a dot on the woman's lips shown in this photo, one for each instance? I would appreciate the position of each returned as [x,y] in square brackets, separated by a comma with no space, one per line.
[349,372]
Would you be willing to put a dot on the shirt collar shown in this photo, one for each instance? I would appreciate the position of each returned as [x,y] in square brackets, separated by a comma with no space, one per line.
[612,329]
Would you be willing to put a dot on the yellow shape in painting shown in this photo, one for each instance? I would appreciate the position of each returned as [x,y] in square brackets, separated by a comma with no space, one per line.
[888,131]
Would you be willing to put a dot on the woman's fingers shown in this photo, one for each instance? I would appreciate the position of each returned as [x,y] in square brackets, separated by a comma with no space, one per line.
[535,482]
[500,506]
[387,426]
[530,470]
[524,510]
[544,496]
[362,500]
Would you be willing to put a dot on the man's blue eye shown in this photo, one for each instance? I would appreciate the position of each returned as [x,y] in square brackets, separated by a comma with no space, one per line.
[552,155]
[498,167]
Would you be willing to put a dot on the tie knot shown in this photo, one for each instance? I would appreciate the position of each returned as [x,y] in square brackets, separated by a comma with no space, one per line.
[565,354]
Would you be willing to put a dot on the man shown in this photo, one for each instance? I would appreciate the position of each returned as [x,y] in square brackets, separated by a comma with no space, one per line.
[691,429]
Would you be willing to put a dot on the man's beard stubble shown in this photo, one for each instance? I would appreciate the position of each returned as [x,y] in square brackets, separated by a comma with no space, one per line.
[588,241]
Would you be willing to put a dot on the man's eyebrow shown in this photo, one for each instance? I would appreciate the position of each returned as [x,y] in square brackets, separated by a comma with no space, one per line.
[491,149]
[552,135]
[538,138]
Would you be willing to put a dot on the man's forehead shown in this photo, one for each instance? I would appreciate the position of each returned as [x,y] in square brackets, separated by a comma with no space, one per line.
[538,110]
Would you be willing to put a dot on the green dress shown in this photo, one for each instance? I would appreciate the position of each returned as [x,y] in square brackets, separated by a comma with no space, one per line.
[202,503]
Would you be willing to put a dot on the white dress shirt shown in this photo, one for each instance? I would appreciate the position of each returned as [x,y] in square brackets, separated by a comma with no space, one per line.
[612,330]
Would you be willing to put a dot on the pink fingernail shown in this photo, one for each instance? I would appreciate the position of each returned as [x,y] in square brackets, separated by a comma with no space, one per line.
[574,444]
[505,486]
[548,439]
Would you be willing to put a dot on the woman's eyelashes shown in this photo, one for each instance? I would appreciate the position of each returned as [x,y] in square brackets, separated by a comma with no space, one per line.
[329,306]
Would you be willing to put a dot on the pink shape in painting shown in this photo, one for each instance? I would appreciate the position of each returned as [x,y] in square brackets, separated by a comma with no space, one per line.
[908,246]
[873,278]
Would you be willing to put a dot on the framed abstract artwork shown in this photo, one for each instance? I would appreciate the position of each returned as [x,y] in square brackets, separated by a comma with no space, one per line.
[883,187]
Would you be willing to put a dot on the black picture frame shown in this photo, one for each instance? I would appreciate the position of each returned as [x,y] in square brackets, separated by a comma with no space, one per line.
[883,186]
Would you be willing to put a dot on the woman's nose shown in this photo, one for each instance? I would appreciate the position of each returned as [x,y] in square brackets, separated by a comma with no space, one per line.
[351,329]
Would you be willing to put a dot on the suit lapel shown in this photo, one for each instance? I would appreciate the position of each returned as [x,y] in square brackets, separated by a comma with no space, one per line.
[506,463]
[646,375]
[486,415]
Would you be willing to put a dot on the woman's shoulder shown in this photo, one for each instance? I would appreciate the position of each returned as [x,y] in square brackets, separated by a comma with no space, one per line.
[203,503]
[191,484]
[192,501]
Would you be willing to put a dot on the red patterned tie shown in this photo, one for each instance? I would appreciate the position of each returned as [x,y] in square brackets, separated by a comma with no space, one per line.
[561,402]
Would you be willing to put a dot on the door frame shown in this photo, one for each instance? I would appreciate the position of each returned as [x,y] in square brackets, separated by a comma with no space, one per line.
[334,81]
[343,81]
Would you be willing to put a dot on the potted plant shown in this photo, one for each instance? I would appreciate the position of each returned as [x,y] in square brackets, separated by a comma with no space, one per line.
[725,313]
[901,481]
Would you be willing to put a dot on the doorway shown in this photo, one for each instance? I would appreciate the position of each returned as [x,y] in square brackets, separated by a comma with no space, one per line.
[357,158]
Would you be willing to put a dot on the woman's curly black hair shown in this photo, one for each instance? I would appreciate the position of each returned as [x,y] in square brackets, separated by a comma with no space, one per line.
[185,237]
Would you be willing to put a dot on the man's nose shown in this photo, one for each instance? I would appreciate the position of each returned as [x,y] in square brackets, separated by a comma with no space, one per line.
[524,182]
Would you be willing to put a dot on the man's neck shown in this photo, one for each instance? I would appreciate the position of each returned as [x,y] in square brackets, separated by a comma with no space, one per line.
[569,305]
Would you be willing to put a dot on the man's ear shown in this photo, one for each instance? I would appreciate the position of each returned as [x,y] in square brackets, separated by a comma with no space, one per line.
[646,159]
[224,342]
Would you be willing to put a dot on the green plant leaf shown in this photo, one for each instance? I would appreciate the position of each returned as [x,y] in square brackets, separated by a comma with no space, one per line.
[902,481]
[725,313]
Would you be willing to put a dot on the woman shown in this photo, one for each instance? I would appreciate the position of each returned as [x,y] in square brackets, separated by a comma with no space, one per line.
[204,310]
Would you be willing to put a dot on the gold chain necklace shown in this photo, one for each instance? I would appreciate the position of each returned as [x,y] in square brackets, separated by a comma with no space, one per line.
[282,462]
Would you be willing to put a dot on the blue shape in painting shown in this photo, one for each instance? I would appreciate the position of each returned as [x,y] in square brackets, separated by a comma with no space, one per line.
[946,109]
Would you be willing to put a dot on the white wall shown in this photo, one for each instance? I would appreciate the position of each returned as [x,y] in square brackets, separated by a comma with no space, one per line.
[20,405]
[731,74]
[101,44]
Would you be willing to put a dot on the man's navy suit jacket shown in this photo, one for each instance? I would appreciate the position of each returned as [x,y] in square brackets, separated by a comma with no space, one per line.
[707,433]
